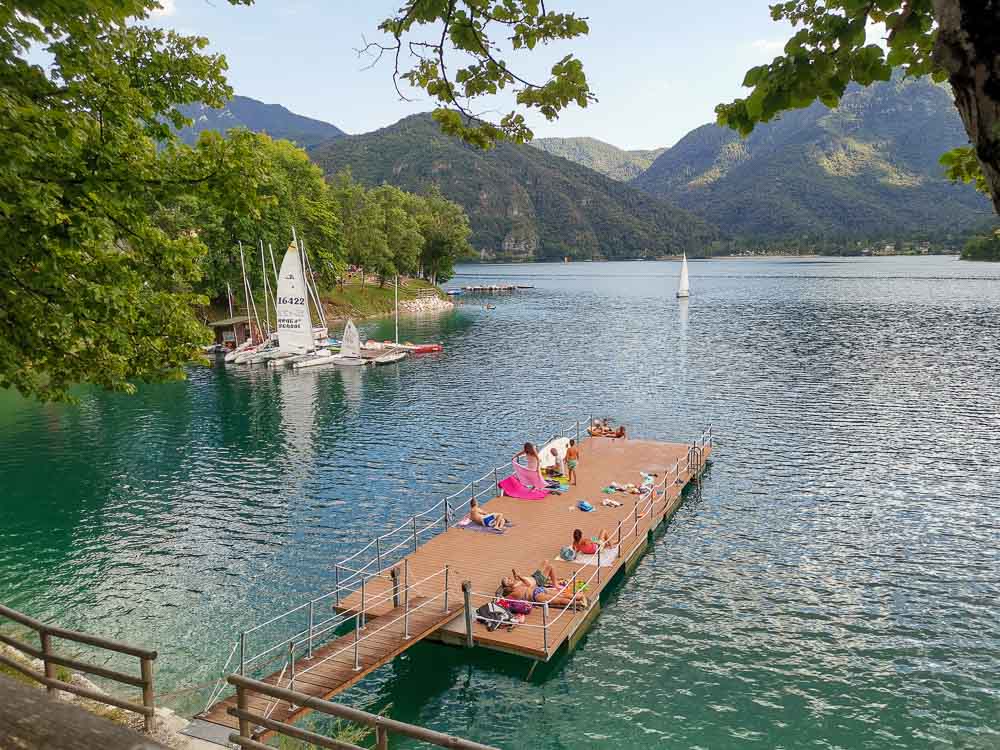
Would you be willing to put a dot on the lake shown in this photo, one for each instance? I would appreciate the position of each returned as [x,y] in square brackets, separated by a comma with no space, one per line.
[835,583]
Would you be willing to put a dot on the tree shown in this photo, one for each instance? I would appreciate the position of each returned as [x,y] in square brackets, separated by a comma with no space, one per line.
[262,189]
[363,224]
[466,29]
[983,248]
[401,229]
[446,231]
[953,40]
[92,289]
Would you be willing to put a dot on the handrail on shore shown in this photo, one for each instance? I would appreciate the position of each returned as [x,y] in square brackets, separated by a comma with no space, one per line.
[50,660]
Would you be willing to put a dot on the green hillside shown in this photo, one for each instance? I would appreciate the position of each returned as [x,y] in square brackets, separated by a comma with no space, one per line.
[602,157]
[523,203]
[273,119]
[868,169]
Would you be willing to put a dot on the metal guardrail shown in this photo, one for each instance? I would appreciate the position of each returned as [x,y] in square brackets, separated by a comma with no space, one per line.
[50,660]
[385,552]
[382,726]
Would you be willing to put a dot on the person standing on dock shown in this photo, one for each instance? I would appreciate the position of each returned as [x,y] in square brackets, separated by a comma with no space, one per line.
[572,459]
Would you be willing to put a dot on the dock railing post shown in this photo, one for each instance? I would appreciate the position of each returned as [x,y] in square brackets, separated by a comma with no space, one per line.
[496,482]
[406,599]
[357,637]
[336,580]
[472,485]
[312,619]
[243,704]
[394,574]
[467,597]
[378,552]
[414,533]
[243,654]
[445,588]
[447,508]
[545,627]
[361,614]
[636,514]
[146,669]
[50,669]
[291,665]
[619,537]
[578,432]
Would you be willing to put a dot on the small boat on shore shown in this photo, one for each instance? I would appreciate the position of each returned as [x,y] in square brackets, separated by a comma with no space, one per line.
[408,346]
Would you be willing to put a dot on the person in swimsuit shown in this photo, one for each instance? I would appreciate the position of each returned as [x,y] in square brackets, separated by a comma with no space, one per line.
[530,453]
[592,545]
[572,459]
[489,520]
[528,589]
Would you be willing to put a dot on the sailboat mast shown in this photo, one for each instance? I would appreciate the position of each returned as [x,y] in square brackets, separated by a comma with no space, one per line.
[396,295]
[267,303]
[311,284]
[229,298]
[251,307]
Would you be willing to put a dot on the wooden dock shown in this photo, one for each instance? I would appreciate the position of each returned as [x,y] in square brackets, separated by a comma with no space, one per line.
[433,591]
[541,529]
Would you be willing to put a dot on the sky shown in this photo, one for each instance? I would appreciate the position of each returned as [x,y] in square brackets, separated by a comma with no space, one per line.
[657,67]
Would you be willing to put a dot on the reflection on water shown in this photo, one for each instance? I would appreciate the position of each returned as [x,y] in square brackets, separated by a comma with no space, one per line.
[835,583]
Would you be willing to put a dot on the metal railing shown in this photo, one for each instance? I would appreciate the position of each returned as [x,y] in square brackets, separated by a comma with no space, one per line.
[50,659]
[685,469]
[354,574]
[382,726]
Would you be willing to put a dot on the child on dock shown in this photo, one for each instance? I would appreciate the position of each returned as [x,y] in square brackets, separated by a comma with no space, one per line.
[572,459]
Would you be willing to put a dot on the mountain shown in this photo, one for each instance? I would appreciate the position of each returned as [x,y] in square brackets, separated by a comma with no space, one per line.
[522,202]
[273,119]
[602,157]
[867,169]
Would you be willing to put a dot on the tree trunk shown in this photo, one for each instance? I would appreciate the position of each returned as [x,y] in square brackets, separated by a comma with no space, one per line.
[968,47]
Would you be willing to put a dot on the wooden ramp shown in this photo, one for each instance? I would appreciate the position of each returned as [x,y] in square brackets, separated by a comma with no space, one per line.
[331,669]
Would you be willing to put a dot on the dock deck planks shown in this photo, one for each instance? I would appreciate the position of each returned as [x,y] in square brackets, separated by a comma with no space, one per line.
[541,529]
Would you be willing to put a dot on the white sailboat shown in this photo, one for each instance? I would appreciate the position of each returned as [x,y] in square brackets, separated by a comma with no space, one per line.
[682,289]
[349,355]
[295,335]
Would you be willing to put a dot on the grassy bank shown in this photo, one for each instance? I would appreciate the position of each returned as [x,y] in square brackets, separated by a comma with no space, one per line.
[350,301]
[356,301]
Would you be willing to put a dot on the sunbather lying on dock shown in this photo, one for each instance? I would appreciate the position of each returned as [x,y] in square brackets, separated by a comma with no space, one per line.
[600,428]
[528,589]
[489,520]
[592,545]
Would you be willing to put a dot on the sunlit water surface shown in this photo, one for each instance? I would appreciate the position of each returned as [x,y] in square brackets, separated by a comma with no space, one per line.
[836,583]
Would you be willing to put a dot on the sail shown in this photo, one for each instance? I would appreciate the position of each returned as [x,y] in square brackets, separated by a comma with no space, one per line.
[682,289]
[295,334]
[350,346]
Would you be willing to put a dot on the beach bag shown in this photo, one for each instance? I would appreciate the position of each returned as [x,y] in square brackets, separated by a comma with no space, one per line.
[493,616]
[585,506]
[567,553]
[517,607]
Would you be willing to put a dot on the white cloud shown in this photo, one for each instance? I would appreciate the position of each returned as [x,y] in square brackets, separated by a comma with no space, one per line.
[167,8]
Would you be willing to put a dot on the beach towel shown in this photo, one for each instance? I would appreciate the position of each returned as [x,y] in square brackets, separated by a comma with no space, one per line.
[528,478]
[608,557]
[468,523]
[513,488]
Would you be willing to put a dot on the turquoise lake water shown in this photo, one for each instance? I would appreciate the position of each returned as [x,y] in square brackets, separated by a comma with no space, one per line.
[835,584]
